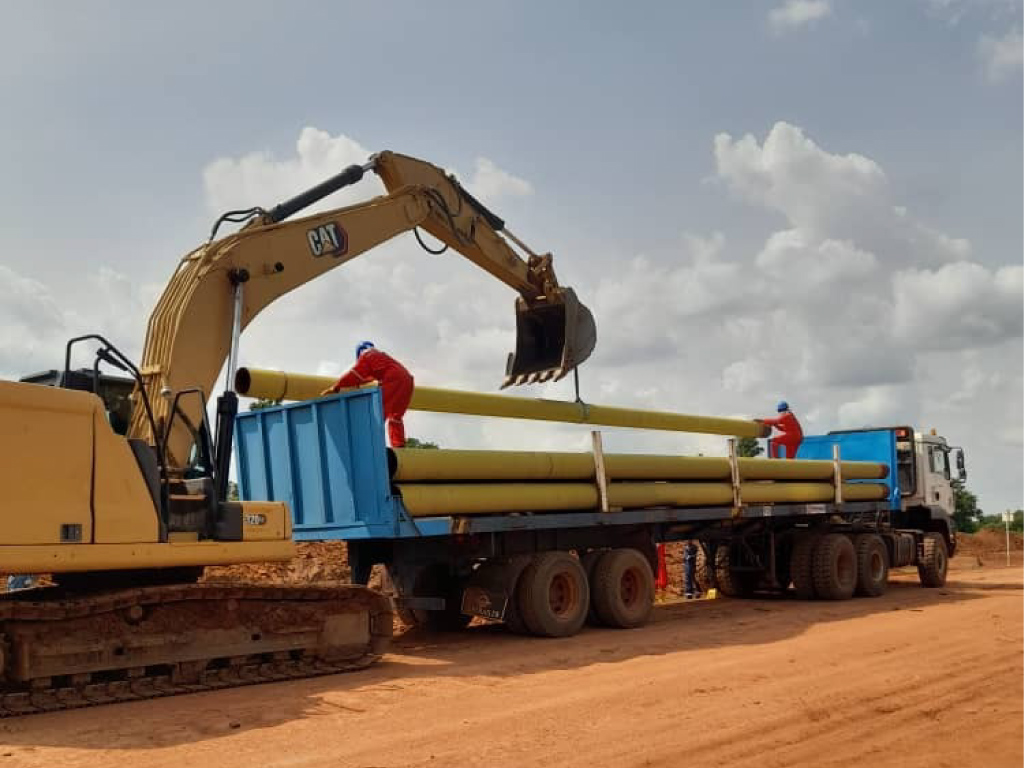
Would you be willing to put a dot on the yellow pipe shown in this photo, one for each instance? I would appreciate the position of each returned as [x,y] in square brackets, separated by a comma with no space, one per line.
[492,498]
[416,464]
[278,385]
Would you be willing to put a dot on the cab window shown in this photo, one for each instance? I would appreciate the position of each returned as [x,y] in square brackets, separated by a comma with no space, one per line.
[939,462]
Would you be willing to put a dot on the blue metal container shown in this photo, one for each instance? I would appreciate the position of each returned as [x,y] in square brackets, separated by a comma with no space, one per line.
[877,445]
[326,459]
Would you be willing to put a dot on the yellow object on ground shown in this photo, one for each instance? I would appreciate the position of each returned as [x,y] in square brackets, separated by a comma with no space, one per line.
[278,385]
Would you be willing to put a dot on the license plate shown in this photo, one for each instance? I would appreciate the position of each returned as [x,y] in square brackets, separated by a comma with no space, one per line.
[477,601]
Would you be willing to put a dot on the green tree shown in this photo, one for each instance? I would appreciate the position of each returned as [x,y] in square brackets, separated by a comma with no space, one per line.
[748,447]
[412,442]
[262,403]
[966,508]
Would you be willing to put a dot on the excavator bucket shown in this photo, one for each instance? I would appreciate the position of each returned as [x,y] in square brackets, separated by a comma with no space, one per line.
[552,338]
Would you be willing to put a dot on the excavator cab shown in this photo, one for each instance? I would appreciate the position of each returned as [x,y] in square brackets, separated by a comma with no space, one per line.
[552,338]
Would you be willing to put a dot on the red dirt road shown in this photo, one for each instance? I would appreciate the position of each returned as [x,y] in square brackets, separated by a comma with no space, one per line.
[915,678]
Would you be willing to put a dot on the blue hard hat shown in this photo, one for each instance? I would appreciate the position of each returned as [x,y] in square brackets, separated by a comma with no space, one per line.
[362,346]
[782,406]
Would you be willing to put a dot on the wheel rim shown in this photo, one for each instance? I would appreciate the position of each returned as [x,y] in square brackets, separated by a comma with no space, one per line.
[629,587]
[562,594]
[877,566]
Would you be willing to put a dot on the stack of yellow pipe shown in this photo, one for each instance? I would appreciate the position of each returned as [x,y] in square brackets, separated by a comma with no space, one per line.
[451,482]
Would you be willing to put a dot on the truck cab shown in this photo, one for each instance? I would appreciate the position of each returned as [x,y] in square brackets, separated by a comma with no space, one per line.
[922,491]
[932,470]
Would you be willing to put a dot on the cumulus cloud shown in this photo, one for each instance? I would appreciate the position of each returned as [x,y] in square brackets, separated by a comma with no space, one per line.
[843,197]
[37,324]
[489,182]
[797,13]
[1001,57]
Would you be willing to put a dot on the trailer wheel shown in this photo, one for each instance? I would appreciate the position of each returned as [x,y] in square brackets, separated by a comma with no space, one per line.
[622,590]
[801,565]
[701,572]
[733,583]
[589,562]
[872,565]
[835,567]
[934,561]
[553,595]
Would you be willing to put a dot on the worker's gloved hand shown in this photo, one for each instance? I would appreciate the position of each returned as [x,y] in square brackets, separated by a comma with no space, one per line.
[326,392]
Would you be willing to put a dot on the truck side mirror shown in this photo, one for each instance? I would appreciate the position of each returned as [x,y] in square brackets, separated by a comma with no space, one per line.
[961,467]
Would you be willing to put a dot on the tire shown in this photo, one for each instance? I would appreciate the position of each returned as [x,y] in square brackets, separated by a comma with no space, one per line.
[733,583]
[589,562]
[801,565]
[701,572]
[934,561]
[622,590]
[872,565]
[554,596]
[835,567]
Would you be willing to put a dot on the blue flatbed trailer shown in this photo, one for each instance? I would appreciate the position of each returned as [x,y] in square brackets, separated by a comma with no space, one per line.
[327,460]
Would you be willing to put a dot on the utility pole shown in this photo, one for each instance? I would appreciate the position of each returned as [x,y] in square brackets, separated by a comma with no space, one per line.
[1007,519]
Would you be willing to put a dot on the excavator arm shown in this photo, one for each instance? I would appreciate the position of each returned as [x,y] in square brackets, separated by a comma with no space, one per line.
[221,286]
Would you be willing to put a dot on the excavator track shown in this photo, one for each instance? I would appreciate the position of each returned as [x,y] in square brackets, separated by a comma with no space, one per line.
[62,651]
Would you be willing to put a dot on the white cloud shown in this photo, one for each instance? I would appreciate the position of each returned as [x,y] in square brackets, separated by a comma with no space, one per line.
[797,13]
[489,182]
[37,324]
[958,306]
[825,195]
[1001,57]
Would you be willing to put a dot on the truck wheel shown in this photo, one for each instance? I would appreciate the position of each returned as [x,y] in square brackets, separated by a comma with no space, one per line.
[934,561]
[622,590]
[733,583]
[872,565]
[835,567]
[553,595]
[801,565]
[701,572]
[589,562]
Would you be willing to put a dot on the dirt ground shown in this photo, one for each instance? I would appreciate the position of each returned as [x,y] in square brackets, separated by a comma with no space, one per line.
[917,677]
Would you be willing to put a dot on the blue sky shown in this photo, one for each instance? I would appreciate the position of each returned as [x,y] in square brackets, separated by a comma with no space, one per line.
[116,112]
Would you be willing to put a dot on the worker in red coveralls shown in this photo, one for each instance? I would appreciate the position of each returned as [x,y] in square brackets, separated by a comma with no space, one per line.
[395,381]
[790,434]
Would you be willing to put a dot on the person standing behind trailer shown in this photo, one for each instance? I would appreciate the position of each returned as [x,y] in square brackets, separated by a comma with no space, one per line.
[396,385]
[790,433]
[690,588]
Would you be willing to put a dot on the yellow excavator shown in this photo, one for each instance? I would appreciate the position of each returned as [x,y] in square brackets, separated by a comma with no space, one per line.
[124,500]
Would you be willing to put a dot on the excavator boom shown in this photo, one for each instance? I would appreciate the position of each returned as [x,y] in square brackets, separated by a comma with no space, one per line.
[225,283]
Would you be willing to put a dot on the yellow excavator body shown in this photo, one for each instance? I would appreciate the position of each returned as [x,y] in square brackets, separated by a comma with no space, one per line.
[124,506]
